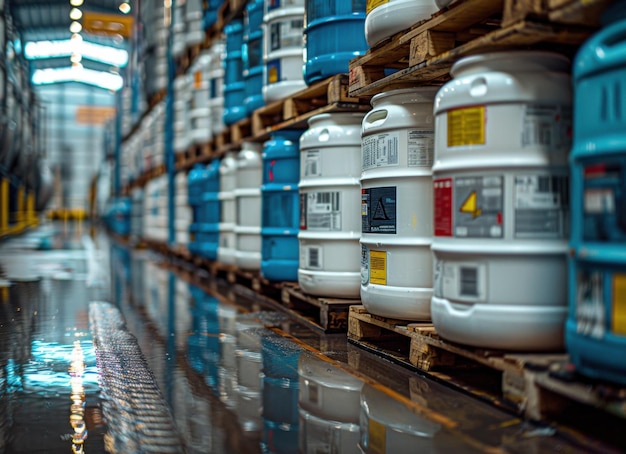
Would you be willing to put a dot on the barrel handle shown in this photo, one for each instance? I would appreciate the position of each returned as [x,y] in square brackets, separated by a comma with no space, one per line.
[610,45]
[324,135]
[378,116]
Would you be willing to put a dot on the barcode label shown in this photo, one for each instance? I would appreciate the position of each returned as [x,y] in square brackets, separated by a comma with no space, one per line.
[323,211]
[541,203]
[546,126]
[469,282]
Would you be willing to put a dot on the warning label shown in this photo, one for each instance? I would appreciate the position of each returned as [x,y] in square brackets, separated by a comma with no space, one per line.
[478,206]
[619,304]
[365,265]
[380,150]
[378,210]
[378,267]
[466,126]
[541,206]
[443,206]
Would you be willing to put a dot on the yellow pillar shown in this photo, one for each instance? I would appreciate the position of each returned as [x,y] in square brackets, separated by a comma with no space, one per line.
[31,215]
[4,206]
[19,216]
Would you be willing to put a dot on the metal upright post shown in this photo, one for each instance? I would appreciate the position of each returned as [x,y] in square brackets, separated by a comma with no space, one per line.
[4,205]
[169,130]
[117,172]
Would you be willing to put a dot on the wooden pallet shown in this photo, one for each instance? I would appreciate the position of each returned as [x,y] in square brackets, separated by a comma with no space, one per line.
[538,386]
[330,313]
[330,95]
[424,54]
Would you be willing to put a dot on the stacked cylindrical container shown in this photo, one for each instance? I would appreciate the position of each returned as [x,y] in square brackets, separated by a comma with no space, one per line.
[281,388]
[330,218]
[280,204]
[283,48]
[182,124]
[216,87]
[248,203]
[153,15]
[156,212]
[234,85]
[502,136]
[397,205]
[179,29]
[182,210]
[136,215]
[385,19]
[334,34]
[596,324]
[226,251]
[194,16]
[199,110]
[196,183]
[253,55]
[211,8]
[329,407]
[209,215]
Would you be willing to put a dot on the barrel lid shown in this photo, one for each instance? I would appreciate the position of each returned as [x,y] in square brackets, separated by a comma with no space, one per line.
[409,95]
[513,61]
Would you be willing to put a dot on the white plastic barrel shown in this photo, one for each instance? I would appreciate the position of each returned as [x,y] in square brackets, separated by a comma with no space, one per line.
[248,202]
[396,204]
[228,215]
[503,127]
[330,222]
[282,50]
[385,18]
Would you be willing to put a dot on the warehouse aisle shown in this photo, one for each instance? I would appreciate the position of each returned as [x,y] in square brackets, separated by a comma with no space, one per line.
[228,377]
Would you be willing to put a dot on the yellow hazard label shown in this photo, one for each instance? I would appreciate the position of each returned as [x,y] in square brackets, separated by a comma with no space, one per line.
[619,304]
[466,126]
[272,76]
[470,205]
[371,4]
[377,436]
[197,80]
[378,267]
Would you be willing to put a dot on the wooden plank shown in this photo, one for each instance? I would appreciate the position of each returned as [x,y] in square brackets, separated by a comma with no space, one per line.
[519,35]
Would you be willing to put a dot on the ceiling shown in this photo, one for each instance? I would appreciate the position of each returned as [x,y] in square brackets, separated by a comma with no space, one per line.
[49,19]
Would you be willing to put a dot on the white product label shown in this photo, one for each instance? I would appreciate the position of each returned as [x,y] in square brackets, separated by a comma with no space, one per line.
[286,33]
[599,201]
[380,150]
[421,148]
[323,211]
[312,164]
[546,126]
[540,206]
[590,313]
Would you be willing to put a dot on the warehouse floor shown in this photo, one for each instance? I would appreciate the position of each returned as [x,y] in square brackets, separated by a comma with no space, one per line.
[50,276]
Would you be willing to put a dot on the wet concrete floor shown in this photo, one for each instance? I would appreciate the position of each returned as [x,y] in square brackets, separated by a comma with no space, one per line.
[105,349]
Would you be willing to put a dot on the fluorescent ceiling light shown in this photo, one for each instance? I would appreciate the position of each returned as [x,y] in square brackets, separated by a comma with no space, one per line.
[35,50]
[75,27]
[100,79]
[76,2]
[75,14]
[124,8]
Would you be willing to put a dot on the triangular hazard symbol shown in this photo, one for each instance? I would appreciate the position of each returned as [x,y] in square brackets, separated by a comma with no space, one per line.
[380,214]
[469,206]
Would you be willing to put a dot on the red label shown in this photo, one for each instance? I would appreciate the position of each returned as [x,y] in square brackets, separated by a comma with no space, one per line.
[443,206]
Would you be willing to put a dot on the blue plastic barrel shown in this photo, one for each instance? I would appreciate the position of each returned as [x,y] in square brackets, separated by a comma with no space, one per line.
[334,34]
[280,221]
[595,332]
[234,85]
[195,186]
[253,55]
[207,235]
[210,13]
[203,347]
